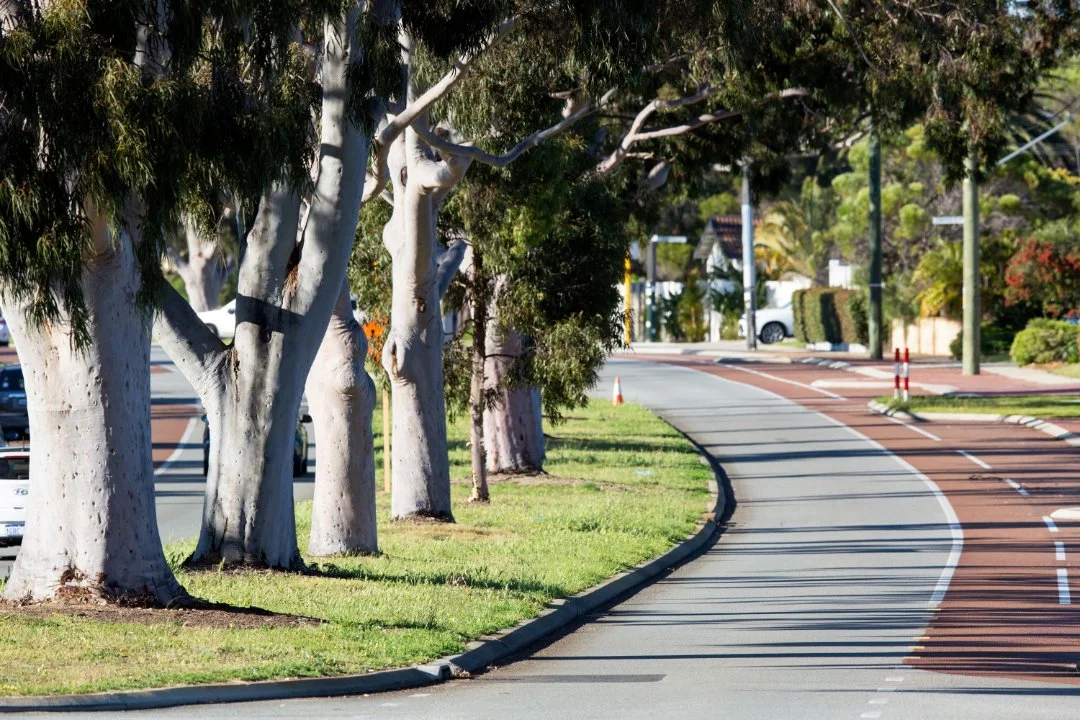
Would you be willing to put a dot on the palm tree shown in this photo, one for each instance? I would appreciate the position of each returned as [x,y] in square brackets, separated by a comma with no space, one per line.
[798,230]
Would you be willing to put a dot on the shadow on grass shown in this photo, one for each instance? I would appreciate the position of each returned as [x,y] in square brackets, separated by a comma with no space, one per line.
[450,579]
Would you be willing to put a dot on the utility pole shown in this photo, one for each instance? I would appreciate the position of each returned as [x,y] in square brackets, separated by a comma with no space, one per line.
[749,270]
[972,306]
[876,315]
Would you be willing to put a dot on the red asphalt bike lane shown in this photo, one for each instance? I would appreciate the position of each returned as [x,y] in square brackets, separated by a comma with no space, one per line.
[1007,611]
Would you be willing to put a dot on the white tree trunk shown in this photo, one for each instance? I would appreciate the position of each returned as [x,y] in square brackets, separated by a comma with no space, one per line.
[290,278]
[91,526]
[412,354]
[203,271]
[513,428]
[341,396]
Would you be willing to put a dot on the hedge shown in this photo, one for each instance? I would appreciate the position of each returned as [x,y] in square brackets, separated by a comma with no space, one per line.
[1045,341]
[993,340]
[830,315]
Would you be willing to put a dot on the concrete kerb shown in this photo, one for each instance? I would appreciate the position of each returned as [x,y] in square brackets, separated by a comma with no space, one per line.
[1047,428]
[479,654]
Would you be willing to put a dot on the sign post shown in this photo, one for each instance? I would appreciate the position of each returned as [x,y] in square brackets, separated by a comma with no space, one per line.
[652,327]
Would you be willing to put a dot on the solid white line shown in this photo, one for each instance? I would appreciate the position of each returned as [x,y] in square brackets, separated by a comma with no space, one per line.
[1063,587]
[184,440]
[919,430]
[789,382]
[1050,524]
[955,529]
[1059,550]
[975,460]
[1017,487]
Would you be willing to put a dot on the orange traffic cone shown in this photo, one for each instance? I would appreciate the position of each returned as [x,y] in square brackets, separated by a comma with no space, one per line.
[616,395]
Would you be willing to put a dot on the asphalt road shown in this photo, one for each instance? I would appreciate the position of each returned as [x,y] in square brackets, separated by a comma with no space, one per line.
[805,608]
[178,480]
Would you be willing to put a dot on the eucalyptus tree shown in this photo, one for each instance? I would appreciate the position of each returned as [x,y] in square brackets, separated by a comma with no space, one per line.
[205,264]
[116,118]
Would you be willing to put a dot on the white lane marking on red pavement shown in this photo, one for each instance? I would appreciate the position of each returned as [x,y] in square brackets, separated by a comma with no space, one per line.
[184,440]
[1017,487]
[1059,550]
[955,529]
[1063,587]
[975,460]
[1050,524]
[785,380]
[919,430]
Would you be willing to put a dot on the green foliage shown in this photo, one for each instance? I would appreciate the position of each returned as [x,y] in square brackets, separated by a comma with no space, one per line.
[1045,341]
[691,310]
[830,315]
[994,340]
[940,274]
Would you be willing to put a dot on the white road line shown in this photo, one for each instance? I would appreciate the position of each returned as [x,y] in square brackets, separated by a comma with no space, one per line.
[879,701]
[1050,524]
[185,439]
[894,678]
[833,395]
[1017,487]
[913,428]
[871,715]
[1059,550]
[1063,587]
[955,529]
[975,460]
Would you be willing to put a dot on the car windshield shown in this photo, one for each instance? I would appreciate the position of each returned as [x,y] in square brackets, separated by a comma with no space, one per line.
[15,468]
[11,379]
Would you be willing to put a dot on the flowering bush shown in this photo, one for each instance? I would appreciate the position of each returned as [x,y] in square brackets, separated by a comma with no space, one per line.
[1046,274]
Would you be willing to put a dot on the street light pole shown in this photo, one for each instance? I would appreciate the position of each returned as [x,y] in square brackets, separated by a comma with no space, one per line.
[876,315]
[972,307]
[749,270]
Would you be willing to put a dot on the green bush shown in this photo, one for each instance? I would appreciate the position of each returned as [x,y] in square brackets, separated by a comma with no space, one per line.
[993,340]
[1045,341]
[830,315]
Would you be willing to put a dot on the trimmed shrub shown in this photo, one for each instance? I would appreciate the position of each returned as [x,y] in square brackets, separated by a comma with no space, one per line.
[830,315]
[993,340]
[1045,341]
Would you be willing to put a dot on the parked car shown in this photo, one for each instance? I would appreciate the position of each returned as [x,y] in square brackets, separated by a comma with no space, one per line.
[14,492]
[300,447]
[5,333]
[13,417]
[222,320]
[773,324]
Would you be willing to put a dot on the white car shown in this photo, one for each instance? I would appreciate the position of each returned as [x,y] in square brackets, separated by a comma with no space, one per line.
[221,321]
[14,492]
[773,324]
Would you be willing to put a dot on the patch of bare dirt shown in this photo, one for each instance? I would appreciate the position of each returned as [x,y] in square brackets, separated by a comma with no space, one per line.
[199,614]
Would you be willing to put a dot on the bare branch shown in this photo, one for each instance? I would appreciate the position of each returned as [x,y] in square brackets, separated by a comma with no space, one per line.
[635,133]
[447,265]
[476,154]
[197,351]
[386,135]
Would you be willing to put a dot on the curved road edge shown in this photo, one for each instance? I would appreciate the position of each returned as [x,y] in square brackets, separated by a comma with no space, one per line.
[479,655]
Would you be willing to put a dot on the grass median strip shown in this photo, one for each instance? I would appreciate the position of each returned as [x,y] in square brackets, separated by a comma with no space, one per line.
[1040,406]
[622,487]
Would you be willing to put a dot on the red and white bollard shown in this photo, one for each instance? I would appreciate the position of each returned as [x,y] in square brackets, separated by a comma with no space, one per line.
[902,371]
[896,374]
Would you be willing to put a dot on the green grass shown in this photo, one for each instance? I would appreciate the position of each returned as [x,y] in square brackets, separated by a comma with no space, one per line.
[1071,370]
[1041,406]
[639,487]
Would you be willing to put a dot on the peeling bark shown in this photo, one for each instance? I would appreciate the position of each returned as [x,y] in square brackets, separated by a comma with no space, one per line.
[91,526]
[341,396]
[513,426]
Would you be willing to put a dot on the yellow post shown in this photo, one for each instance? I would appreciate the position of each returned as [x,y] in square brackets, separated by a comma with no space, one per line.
[626,284]
[386,439]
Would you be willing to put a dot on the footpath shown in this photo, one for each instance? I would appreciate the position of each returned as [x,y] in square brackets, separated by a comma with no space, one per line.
[1009,607]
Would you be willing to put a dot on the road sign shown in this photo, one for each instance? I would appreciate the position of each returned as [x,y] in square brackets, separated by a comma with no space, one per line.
[679,239]
[949,220]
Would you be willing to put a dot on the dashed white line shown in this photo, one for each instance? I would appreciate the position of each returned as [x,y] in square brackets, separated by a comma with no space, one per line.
[833,395]
[975,460]
[1063,587]
[1017,487]
[894,678]
[913,428]
[1050,524]
[871,715]
[1059,550]
[888,689]
[878,701]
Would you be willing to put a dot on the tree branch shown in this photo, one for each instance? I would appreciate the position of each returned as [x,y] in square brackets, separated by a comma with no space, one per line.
[384,139]
[447,266]
[500,161]
[198,352]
